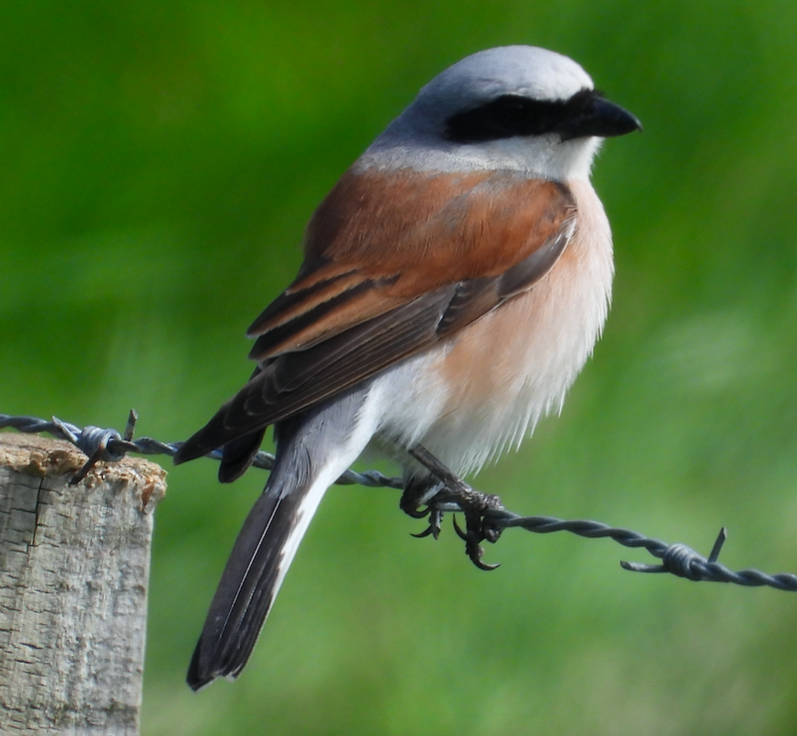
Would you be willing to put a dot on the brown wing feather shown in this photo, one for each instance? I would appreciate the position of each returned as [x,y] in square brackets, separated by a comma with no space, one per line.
[393,265]
[380,240]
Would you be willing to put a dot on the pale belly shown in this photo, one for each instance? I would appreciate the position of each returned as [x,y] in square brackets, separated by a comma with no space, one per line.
[482,393]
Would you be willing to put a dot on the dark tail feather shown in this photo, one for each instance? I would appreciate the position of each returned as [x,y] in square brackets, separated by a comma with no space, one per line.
[238,456]
[240,445]
[313,449]
[248,586]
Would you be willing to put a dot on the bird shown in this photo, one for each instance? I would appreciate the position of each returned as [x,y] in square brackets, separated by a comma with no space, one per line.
[454,283]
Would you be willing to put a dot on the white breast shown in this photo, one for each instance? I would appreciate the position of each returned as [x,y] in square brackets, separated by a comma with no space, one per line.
[469,400]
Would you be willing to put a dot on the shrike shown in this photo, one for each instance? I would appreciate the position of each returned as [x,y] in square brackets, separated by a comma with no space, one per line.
[454,283]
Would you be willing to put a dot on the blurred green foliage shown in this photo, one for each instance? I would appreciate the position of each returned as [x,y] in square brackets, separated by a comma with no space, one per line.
[159,161]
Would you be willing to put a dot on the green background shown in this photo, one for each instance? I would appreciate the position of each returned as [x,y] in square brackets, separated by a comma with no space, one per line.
[158,161]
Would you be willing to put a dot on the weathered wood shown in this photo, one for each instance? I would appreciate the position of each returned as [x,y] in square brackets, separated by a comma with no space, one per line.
[74,570]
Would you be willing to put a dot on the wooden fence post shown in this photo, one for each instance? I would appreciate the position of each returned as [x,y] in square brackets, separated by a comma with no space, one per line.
[74,571]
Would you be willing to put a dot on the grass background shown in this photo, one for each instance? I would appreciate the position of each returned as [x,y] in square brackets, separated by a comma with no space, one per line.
[159,161]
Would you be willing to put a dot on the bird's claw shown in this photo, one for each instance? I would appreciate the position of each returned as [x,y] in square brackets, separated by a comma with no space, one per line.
[478,528]
[435,523]
[458,529]
[422,501]
[415,512]
[416,501]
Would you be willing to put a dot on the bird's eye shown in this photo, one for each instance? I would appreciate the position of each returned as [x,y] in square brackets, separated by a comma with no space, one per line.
[504,117]
[514,110]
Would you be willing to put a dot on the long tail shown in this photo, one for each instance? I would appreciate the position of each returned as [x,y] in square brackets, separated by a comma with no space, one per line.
[312,451]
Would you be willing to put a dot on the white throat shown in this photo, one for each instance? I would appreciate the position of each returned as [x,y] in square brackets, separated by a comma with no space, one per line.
[542,156]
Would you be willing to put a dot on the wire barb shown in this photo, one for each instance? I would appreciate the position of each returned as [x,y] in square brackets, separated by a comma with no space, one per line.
[107,445]
[683,561]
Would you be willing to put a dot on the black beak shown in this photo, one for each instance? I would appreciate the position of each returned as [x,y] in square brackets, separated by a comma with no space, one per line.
[598,117]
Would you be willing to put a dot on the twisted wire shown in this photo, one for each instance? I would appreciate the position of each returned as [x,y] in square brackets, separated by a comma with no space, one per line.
[108,445]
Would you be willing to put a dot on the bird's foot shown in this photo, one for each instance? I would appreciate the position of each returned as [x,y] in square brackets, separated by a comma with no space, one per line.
[478,526]
[417,502]
[422,499]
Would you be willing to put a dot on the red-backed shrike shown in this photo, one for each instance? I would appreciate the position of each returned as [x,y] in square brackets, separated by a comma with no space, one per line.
[455,281]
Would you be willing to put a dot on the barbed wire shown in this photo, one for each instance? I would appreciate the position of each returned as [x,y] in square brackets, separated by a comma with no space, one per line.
[108,445]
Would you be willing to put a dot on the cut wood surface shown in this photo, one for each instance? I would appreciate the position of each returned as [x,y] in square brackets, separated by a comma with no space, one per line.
[74,571]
